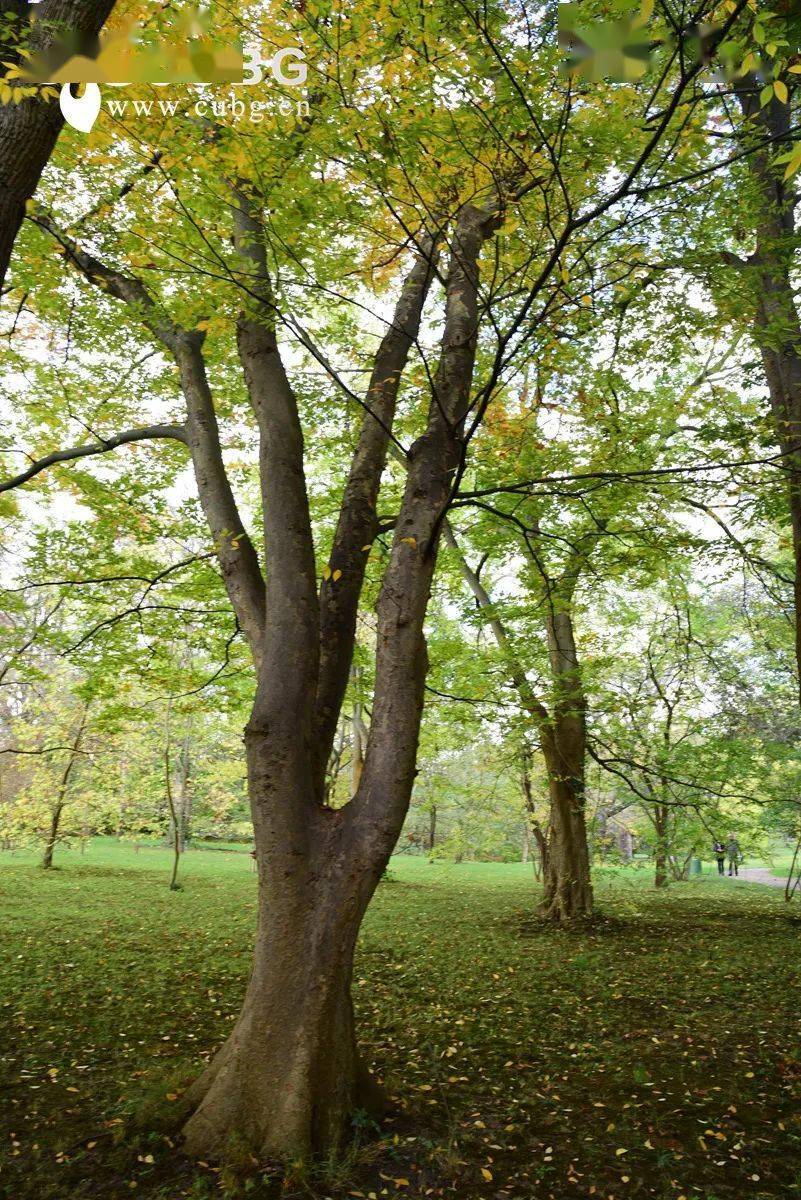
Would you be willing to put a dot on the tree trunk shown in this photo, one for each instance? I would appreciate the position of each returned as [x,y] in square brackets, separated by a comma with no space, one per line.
[541,859]
[175,832]
[432,830]
[777,325]
[660,818]
[52,836]
[28,130]
[626,844]
[184,805]
[61,796]
[568,890]
[358,741]
[289,1077]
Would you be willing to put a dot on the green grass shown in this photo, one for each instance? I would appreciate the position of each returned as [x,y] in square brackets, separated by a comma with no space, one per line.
[669,1030]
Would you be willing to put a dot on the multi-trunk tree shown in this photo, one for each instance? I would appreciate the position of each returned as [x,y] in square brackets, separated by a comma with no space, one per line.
[470,201]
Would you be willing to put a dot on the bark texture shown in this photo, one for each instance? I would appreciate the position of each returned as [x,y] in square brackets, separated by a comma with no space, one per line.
[289,1077]
[567,891]
[777,325]
[28,130]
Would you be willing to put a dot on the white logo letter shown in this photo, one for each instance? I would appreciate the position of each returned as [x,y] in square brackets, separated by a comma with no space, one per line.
[298,73]
[80,111]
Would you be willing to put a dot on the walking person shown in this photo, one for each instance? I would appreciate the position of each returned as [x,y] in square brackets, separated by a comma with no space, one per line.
[719,851]
[733,854]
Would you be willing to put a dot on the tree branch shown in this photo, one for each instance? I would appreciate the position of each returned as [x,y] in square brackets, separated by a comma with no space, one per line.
[101,446]
[358,523]
[238,559]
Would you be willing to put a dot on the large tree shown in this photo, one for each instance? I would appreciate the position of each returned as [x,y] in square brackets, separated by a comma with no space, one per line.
[410,174]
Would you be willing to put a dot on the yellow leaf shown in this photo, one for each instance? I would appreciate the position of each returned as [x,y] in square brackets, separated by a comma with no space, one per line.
[410,541]
[622,1150]
[366,548]
[171,1096]
[326,572]
[487,1174]
[780,91]
[337,575]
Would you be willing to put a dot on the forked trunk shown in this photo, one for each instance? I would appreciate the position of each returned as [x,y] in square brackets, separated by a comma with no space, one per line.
[288,1080]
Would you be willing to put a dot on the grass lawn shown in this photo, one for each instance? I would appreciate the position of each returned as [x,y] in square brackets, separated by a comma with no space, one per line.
[655,1054]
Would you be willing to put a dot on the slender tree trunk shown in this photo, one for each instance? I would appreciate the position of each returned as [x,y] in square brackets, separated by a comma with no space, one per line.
[541,837]
[358,745]
[792,881]
[660,819]
[176,825]
[184,805]
[52,836]
[175,833]
[568,890]
[540,859]
[432,830]
[61,795]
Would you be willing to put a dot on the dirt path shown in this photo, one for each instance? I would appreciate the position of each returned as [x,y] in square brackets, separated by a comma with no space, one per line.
[761,875]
